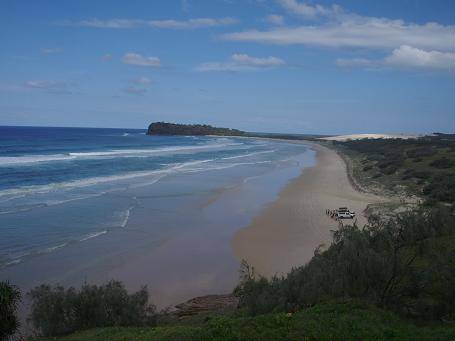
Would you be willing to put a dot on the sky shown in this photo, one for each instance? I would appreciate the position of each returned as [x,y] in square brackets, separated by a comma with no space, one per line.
[291,66]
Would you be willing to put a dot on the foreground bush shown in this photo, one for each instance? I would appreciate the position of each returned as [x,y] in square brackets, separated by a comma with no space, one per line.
[9,299]
[405,264]
[56,311]
[339,320]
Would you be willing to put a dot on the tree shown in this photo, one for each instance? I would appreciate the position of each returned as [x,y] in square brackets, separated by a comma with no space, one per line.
[9,299]
[59,311]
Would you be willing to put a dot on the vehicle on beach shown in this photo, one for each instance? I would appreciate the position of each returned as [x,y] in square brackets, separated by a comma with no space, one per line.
[345,213]
[340,213]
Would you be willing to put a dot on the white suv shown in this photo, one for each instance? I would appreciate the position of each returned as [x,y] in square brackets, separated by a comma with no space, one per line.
[344,213]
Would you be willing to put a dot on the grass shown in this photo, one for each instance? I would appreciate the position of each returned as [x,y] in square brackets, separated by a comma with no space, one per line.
[336,320]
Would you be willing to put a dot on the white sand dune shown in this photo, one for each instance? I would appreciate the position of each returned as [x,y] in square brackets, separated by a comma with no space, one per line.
[370,136]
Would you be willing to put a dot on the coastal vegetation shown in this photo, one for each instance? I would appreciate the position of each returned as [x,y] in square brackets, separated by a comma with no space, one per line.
[423,166]
[403,264]
[331,320]
[163,128]
[59,311]
[9,299]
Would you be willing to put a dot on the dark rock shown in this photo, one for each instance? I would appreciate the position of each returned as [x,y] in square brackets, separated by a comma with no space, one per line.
[206,304]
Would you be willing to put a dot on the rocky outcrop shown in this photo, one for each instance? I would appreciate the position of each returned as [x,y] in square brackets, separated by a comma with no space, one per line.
[206,304]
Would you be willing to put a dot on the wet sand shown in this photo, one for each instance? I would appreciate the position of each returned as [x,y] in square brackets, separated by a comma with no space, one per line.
[287,231]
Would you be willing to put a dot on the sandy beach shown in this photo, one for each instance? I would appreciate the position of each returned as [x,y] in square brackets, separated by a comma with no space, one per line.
[286,233]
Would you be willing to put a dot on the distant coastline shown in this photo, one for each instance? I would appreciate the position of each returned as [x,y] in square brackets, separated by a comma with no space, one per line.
[164,128]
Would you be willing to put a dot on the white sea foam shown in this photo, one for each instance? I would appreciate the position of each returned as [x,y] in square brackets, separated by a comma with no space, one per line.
[117,153]
[53,248]
[247,155]
[132,152]
[225,166]
[17,160]
[191,163]
[95,180]
[14,261]
[126,217]
[93,235]
[69,185]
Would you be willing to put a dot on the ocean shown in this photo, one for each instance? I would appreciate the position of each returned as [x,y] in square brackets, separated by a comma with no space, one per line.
[73,198]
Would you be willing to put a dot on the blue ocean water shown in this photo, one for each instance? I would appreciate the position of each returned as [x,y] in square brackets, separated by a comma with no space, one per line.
[56,184]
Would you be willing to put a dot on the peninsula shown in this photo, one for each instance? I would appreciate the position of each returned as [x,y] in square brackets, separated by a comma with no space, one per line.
[164,128]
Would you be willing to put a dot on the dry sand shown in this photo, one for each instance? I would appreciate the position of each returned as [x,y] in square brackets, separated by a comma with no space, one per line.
[287,231]
[370,136]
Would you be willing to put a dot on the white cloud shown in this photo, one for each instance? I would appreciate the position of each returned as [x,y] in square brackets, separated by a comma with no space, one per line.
[274,19]
[411,57]
[241,62]
[132,90]
[192,23]
[309,11]
[142,81]
[137,59]
[49,85]
[109,23]
[408,57]
[358,33]
[51,50]
[164,24]
[245,59]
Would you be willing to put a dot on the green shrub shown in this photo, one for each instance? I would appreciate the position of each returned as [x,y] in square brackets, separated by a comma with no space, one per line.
[442,163]
[405,264]
[9,299]
[56,311]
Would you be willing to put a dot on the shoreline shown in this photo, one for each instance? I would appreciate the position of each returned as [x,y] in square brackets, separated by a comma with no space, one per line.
[177,244]
[287,231]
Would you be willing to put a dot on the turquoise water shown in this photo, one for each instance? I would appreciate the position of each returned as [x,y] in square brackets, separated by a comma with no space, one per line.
[61,187]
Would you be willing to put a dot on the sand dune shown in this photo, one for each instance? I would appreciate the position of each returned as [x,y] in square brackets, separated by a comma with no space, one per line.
[288,230]
[370,136]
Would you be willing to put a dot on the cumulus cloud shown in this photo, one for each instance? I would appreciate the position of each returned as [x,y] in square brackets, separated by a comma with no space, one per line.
[51,50]
[139,60]
[164,24]
[274,19]
[411,57]
[407,57]
[241,62]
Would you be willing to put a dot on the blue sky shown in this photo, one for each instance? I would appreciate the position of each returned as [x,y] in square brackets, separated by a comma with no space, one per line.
[259,65]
